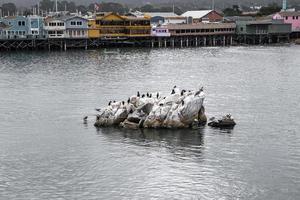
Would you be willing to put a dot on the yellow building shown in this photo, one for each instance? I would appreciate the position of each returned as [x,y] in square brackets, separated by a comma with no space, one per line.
[111,25]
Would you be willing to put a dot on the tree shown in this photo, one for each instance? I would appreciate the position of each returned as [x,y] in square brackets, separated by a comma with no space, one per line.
[112,7]
[147,8]
[68,6]
[270,9]
[9,9]
[234,11]
[47,5]
[82,9]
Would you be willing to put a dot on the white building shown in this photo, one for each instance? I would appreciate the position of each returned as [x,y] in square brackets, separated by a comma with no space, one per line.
[55,27]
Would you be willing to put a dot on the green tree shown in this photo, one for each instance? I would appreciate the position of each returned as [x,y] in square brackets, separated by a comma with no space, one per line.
[47,5]
[234,11]
[112,7]
[147,8]
[268,10]
[9,9]
[82,9]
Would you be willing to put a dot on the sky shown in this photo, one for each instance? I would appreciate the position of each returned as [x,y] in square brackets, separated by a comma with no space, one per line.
[220,3]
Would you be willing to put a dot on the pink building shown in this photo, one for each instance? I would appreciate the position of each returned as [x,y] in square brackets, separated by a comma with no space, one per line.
[290,18]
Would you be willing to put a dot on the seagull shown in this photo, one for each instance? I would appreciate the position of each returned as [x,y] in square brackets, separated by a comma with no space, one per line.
[98,109]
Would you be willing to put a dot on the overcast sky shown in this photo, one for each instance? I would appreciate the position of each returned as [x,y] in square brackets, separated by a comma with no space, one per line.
[219,3]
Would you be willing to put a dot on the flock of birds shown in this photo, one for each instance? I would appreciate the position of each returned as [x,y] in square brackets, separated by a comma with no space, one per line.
[156,96]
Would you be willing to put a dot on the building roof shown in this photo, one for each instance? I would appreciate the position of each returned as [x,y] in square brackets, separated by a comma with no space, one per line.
[161,14]
[62,18]
[196,13]
[201,26]
[239,18]
[289,13]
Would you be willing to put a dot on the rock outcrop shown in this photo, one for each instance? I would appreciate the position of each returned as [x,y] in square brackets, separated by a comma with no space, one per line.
[180,109]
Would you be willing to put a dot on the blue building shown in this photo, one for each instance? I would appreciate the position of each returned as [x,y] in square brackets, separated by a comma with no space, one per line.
[76,27]
[15,27]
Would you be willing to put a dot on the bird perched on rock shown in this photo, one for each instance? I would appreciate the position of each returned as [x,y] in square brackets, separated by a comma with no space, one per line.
[182,92]
[173,91]
[198,92]
[138,94]
[109,103]
[128,100]
[157,95]
[85,118]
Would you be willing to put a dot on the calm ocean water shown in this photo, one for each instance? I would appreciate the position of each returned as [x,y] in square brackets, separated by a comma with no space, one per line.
[46,152]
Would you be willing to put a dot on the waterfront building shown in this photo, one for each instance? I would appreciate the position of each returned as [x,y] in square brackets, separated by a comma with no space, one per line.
[35,26]
[76,27]
[201,29]
[55,27]
[111,25]
[178,20]
[160,31]
[262,31]
[14,27]
[204,16]
[157,18]
[292,18]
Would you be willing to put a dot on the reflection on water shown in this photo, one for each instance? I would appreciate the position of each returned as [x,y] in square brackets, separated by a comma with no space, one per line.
[46,152]
[178,141]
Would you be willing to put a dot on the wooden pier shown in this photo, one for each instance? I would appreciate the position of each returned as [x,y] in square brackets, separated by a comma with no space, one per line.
[64,44]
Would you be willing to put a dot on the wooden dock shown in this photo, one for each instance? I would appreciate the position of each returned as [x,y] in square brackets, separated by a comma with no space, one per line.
[64,44]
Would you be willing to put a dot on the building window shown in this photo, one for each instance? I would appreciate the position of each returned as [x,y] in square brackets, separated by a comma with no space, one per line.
[296,17]
[73,23]
[293,17]
[21,23]
[286,18]
[79,23]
